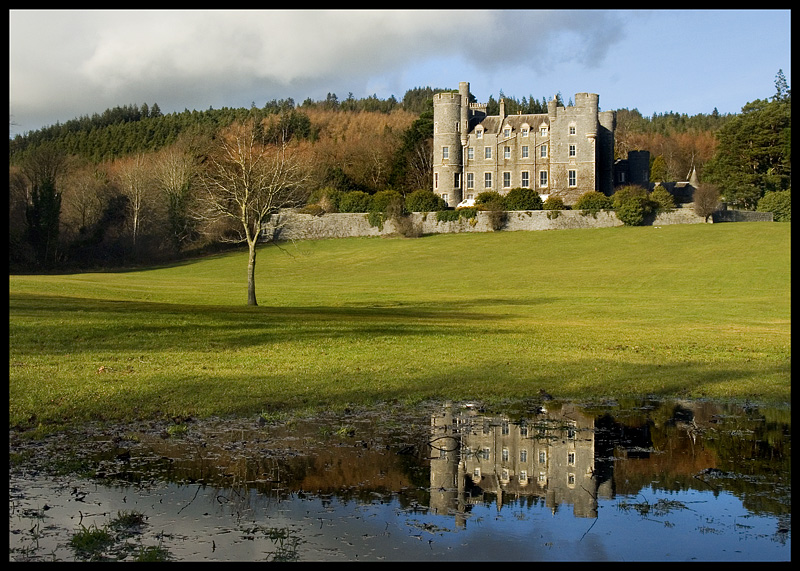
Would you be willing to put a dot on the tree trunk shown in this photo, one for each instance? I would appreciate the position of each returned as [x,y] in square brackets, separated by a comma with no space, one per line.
[251,274]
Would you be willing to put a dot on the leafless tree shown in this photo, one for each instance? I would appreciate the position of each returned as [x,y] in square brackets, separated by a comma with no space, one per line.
[134,180]
[706,200]
[174,172]
[421,165]
[246,182]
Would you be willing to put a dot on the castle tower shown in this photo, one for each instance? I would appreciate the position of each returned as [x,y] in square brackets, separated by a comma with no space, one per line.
[450,125]
[605,151]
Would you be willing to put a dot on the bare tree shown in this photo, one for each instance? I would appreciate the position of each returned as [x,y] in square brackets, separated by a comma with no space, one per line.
[174,171]
[246,182]
[706,200]
[134,180]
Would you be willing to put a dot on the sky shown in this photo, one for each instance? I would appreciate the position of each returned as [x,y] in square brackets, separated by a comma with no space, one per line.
[65,64]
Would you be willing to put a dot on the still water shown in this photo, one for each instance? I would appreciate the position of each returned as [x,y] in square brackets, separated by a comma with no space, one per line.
[539,480]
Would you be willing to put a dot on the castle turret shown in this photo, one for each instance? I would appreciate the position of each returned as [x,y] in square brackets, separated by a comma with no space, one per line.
[449,123]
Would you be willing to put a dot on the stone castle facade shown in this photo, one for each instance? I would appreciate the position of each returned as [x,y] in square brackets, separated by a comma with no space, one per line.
[564,152]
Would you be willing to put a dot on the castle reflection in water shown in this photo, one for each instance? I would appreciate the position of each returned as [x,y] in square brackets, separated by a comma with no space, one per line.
[552,457]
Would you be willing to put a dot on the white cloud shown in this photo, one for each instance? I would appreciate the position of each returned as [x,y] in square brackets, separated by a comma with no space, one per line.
[67,63]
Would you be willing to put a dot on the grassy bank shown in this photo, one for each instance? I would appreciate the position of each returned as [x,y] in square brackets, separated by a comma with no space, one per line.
[693,310]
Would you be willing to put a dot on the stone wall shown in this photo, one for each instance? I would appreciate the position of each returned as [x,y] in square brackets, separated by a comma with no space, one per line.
[291,225]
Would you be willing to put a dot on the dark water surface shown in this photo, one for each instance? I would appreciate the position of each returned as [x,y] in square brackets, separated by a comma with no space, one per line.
[540,480]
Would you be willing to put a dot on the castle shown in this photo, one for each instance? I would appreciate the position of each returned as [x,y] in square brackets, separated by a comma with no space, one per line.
[564,152]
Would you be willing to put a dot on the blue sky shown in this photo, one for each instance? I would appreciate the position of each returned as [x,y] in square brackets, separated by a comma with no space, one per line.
[68,63]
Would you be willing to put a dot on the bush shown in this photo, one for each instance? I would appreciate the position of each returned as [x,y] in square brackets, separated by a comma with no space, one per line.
[663,199]
[385,204]
[523,199]
[490,198]
[355,201]
[327,198]
[592,202]
[453,215]
[633,210]
[778,202]
[424,201]
[624,193]
[387,201]
[633,205]
[553,203]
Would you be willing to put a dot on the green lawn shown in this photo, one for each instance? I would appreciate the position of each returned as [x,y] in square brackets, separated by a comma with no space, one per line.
[692,310]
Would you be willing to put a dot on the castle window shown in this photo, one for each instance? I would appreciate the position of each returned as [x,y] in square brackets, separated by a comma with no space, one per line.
[573,178]
[436,127]
[543,131]
[444,197]
[470,180]
[457,180]
[572,129]
[523,455]
[570,480]
[524,130]
[470,153]
[542,458]
[436,180]
[543,151]
[507,152]
[572,150]
[507,132]
[506,179]
[504,455]
[571,458]
[479,133]
[542,178]
[525,151]
[526,179]
[487,152]
[523,477]
[445,153]
[487,180]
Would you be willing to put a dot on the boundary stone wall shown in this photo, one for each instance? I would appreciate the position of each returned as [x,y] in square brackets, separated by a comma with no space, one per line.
[292,225]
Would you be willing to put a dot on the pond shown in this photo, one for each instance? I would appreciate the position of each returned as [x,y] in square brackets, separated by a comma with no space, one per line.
[539,480]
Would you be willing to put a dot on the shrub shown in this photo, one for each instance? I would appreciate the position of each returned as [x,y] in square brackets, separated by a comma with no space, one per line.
[453,215]
[491,198]
[633,205]
[386,200]
[633,210]
[523,199]
[592,202]
[779,203]
[327,198]
[385,204]
[553,203]
[313,209]
[663,199]
[623,193]
[355,201]
[424,201]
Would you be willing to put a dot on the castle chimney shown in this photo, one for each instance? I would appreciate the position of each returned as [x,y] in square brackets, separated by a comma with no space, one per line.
[502,109]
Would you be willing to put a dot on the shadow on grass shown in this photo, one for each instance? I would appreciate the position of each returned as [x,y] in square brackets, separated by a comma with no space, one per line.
[248,393]
[103,325]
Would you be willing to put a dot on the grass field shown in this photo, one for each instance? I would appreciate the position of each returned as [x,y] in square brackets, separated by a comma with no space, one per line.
[691,310]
